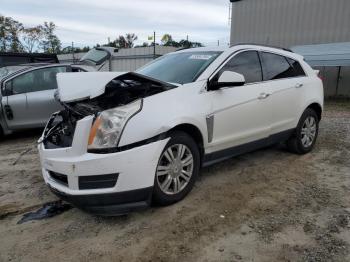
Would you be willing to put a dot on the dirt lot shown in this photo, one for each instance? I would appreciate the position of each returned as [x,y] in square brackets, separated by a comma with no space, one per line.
[269,205]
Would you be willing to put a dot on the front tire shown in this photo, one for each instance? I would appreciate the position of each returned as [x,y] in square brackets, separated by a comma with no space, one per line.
[177,169]
[304,138]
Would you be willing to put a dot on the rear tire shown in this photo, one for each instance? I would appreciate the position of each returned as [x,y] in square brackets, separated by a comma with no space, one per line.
[305,135]
[177,169]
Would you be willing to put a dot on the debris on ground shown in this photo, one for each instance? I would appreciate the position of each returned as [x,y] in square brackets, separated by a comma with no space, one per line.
[48,210]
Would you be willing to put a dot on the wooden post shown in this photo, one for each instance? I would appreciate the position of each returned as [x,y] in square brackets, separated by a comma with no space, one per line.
[338,79]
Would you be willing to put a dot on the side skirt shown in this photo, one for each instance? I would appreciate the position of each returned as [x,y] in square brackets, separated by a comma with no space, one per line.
[215,157]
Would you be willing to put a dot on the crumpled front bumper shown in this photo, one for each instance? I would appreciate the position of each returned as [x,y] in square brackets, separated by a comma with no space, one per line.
[135,169]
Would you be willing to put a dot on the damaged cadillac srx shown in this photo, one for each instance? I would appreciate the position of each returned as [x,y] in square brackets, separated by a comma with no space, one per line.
[126,140]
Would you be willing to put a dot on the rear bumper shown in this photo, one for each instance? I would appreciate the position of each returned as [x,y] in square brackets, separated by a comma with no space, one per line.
[109,204]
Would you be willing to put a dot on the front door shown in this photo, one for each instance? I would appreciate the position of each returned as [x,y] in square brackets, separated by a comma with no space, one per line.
[14,101]
[240,114]
[40,97]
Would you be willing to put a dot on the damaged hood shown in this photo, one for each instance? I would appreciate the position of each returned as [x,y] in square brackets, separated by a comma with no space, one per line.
[84,85]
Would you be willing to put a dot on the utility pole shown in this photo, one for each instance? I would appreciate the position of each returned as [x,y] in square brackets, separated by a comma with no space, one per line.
[230,13]
[154,45]
[218,42]
[73,52]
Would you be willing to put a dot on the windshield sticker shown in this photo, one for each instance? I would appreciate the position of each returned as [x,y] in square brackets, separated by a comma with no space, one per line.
[200,57]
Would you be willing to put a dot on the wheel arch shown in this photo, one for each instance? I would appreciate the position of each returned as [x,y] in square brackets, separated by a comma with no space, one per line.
[317,108]
[193,132]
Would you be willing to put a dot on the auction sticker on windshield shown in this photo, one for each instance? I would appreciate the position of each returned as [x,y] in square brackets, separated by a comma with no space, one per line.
[200,57]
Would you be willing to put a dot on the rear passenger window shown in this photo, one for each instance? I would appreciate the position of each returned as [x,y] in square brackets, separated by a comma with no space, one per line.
[276,67]
[298,70]
[245,63]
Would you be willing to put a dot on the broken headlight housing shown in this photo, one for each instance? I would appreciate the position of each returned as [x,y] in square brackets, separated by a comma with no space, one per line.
[108,127]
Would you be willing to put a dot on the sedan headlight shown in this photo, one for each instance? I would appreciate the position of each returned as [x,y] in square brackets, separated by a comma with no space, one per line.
[108,126]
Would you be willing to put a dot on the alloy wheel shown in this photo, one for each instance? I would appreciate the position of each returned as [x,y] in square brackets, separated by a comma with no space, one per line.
[308,131]
[175,169]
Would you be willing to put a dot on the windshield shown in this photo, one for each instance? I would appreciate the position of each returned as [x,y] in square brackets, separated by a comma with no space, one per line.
[97,56]
[181,68]
[8,70]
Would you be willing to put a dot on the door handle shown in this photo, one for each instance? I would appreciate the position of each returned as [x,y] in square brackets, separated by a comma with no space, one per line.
[8,112]
[299,85]
[263,96]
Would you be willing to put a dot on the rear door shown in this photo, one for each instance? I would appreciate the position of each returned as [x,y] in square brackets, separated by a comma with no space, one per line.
[40,96]
[284,79]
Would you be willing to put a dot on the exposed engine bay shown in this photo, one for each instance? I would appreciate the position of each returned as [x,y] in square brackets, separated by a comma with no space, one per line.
[122,90]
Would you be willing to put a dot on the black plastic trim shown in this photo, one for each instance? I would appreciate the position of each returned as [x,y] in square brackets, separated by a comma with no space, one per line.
[110,204]
[59,178]
[98,181]
[215,157]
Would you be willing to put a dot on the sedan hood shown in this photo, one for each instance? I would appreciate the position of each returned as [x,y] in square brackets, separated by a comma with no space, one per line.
[84,85]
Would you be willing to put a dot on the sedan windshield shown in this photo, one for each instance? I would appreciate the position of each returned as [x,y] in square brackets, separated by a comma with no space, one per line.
[181,68]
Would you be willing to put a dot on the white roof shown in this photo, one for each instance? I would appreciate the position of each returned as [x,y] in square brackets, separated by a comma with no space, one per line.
[243,46]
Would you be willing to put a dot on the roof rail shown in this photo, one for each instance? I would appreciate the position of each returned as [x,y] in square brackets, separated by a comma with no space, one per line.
[278,47]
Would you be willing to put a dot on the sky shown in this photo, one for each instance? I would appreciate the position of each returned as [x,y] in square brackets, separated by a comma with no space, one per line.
[88,22]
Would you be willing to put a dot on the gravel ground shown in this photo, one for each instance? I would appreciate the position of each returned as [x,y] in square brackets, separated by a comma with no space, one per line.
[268,205]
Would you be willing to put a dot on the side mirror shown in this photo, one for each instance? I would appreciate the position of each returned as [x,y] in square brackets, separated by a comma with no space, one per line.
[227,79]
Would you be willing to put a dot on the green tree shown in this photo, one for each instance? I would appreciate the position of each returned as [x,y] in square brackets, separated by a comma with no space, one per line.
[31,37]
[10,30]
[3,33]
[69,50]
[166,39]
[130,38]
[188,44]
[126,41]
[50,42]
[121,42]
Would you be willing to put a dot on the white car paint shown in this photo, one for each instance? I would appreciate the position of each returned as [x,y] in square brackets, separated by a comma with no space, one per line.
[240,114]
[72,88]
[75,161]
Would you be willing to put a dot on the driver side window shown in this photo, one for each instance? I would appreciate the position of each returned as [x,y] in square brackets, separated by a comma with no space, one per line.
[20,84]
[246,63]
[36,80]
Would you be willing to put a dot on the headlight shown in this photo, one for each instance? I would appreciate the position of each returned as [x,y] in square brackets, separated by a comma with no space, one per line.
[108,127]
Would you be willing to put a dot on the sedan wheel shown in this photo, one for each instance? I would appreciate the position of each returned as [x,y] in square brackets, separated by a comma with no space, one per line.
[308,131]
[175,169]
[303,139]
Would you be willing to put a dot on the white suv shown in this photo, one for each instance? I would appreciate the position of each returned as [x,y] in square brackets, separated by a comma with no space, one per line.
[126,140]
